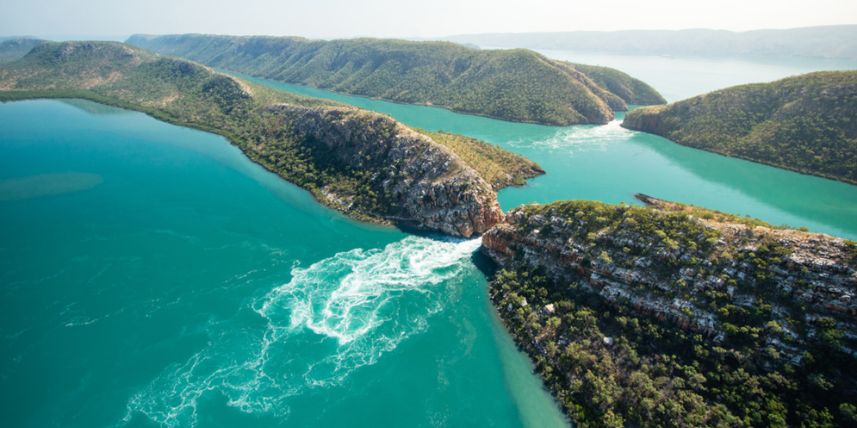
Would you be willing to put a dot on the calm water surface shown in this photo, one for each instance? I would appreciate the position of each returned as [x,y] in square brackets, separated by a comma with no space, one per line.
[152,275]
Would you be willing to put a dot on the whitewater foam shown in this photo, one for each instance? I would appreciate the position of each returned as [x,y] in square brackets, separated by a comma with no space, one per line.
[581,138]
[330,319]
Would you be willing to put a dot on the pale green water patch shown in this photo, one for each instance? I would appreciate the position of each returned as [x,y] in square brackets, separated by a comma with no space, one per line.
[41,185]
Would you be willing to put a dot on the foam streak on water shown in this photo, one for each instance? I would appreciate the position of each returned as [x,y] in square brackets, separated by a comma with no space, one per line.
[341,313]
[576,139]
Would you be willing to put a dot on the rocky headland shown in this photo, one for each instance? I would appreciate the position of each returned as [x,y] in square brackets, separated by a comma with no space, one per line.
[675,315]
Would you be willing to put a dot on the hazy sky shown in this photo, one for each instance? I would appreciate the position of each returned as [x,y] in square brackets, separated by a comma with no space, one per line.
[406,18]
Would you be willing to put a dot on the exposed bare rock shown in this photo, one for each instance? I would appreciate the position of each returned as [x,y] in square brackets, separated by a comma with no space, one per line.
[420,183]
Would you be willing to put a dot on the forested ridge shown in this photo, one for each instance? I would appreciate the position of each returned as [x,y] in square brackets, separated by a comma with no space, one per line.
[516,84]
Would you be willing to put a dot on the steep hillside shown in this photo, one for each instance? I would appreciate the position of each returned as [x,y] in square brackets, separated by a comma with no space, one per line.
[804,123]
[365,164]
[518,85]
[671,315]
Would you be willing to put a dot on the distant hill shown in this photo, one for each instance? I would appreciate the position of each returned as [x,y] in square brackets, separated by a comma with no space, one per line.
[804,123]
[12,48]
[832,42]
[362,163]
[518,85]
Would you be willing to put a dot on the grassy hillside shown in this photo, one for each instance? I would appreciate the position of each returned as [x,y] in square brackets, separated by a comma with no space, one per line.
[16,47]
[341,154]
[518,85]
[671,315]
[804,123]
[495,165]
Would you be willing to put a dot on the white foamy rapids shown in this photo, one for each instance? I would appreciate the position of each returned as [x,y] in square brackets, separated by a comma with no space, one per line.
[581,138]
[331,318]
[348,295]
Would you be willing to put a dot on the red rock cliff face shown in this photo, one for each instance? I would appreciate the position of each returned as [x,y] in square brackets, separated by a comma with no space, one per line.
[421,183]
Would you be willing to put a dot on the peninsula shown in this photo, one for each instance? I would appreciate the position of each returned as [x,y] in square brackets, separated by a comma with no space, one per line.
[803,123]
[361,163]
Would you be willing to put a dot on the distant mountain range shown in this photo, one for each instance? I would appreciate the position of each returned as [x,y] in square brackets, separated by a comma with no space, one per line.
[831,42]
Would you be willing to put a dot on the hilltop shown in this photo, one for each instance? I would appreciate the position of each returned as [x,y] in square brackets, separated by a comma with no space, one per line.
[518,84]
[364,164]
[803,123]
[673,315]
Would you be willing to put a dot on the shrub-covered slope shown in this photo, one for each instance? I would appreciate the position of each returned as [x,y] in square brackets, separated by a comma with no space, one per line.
[804,123]
[671,315]
[516,84]
[362,163]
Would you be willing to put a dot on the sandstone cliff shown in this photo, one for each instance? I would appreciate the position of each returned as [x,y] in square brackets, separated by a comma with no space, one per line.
[418,182]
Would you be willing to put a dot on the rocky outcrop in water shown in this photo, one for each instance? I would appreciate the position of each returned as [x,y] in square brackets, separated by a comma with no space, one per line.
[418,182]
[601,296]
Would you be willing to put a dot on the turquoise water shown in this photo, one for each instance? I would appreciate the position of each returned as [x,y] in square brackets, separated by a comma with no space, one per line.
[677,78]
[611,164]
[152,275]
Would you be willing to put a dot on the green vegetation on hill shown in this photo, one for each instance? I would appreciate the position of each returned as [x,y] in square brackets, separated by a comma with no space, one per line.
[495,165]
[518,84]
[804,123]
[341,154]
[675,316]
[16,47]
[629,89]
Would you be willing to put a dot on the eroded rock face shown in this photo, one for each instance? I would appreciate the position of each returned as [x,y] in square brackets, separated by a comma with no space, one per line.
[685,277]
[419,183]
